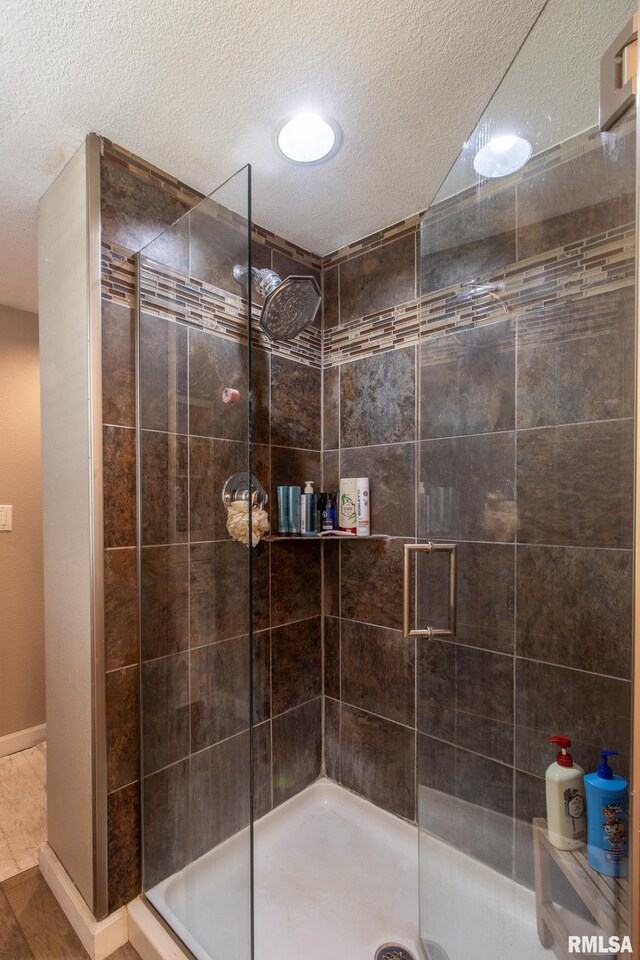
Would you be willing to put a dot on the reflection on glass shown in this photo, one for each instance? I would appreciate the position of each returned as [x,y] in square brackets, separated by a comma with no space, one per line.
[527,388]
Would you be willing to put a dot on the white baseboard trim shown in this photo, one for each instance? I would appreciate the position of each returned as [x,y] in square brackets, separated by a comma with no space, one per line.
[100,938]
[22,739]
[148,936]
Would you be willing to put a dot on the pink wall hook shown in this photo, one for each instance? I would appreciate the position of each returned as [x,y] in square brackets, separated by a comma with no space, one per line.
[229,395]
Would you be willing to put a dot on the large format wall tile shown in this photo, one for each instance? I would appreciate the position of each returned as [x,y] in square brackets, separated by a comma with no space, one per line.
[167,833]
[123,740]
[391,470]
[163,375]
[471,243]
[220,793]
[165,711]
[576,199]
[455,705]
[216,247]
[467,800]
[119,480]
[377,399]
[331,408]
[469,483]
[331,297]
[118,378]
[371,582]
[297,749]
[332,738]
[378,279]
[575,361]
[262,787]
[575,484]
[211,463]
[296,664]
[135,211]
[378,671]
[295,404]
[120,607]
[594,711]
[123,833]
[331,659]
[485,593]
[468,381]
[165,486]
[574,607]
[378,761]
[165,600]
[220,691]
[296,581]
[220,587]
[214,364]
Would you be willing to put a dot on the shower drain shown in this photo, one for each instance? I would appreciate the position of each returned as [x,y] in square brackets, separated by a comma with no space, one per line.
[393,951]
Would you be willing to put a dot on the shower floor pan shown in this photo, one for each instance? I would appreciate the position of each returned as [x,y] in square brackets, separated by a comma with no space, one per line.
[335,875]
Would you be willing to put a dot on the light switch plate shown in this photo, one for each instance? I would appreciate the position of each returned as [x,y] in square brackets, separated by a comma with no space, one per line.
[6,517]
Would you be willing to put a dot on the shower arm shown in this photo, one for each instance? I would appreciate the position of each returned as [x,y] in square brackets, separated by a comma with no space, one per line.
[264,281]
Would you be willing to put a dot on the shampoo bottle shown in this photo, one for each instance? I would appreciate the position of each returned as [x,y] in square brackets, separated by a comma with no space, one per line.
[329,519]
[308,509]
[564,782]
[608,819]
[347,516]
[283,510]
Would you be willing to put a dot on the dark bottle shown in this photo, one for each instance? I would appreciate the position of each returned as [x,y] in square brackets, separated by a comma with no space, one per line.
[329,513]
[321,500]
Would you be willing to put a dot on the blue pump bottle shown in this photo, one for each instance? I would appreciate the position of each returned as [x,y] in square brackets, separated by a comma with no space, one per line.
[607,819]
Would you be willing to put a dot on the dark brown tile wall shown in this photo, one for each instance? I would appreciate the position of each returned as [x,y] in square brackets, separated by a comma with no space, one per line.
[521,455]
[523,458]
[194,604]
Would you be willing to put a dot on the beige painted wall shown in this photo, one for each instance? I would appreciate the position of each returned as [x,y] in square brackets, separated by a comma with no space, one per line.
[22,702]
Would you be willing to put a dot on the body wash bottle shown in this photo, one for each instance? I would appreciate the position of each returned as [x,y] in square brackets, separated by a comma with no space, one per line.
[608,819]
[308,509]
[283,510]
[564,783]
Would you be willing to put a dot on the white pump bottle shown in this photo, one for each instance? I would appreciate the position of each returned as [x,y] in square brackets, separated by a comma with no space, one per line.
[566,806]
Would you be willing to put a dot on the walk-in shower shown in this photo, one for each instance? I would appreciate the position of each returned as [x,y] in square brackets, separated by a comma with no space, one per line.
[321,776]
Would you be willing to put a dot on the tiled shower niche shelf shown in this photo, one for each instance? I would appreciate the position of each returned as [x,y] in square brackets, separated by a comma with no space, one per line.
[327,536]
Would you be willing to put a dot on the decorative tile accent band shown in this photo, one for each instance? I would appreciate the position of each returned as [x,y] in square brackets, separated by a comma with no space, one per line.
[581,269]
[167,293]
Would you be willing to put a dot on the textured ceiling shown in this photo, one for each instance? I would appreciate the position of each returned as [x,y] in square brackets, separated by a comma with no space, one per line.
[197,87]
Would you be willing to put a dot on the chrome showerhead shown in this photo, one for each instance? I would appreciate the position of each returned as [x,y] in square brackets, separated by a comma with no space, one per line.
[290,305]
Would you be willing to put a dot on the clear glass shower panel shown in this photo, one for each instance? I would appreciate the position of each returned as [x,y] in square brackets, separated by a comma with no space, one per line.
[193,348]
[528,327]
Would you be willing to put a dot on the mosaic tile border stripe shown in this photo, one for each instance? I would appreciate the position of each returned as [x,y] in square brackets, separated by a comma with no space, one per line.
[584,269]
[166,293]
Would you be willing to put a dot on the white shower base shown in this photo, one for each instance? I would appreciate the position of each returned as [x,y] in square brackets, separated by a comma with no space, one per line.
[337,876]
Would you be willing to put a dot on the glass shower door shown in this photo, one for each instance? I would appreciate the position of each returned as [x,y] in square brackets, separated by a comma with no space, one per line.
[195,580]
[528,325]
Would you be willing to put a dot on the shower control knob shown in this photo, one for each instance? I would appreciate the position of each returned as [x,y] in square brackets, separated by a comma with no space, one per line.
[229,395]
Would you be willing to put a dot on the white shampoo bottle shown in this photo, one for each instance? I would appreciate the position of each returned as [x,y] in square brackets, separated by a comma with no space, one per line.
[566,806]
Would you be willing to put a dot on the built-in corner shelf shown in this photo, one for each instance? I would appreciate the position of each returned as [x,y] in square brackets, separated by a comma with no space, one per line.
[272,537]
[606,898]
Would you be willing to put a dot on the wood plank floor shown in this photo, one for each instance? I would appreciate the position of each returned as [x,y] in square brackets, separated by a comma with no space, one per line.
[33,927]
[23,809]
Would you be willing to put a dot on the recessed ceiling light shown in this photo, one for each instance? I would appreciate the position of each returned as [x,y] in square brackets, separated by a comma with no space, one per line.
[501,156]
[308,138]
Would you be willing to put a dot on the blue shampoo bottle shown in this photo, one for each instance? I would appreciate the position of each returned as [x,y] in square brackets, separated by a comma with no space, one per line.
[607,819]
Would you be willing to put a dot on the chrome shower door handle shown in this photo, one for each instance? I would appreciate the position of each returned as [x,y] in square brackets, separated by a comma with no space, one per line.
[429,547]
